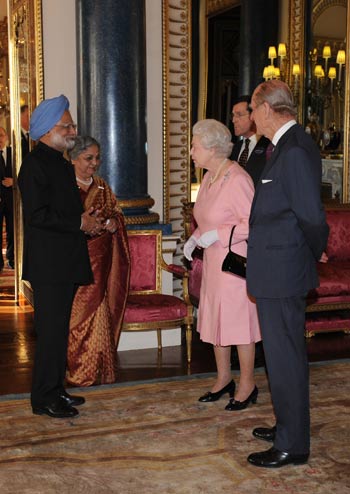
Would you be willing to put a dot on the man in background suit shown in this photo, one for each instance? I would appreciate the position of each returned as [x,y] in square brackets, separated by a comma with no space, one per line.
[287,236]
[55,254]
[250,150]
[24,130]
[6,203]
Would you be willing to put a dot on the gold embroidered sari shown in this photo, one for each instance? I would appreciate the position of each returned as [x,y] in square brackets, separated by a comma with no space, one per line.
[98,308]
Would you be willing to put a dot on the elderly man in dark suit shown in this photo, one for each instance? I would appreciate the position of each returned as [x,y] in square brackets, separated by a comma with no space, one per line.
[55,254]
[251,150]
[287,236]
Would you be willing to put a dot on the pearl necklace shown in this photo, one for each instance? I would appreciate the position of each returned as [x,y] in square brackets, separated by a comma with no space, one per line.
[84,182]
[218,171]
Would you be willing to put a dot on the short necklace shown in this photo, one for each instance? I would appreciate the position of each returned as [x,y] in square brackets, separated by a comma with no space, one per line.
[220,167]
[84,182]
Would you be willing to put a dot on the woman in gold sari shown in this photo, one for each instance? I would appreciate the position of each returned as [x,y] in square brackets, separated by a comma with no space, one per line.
[98,309]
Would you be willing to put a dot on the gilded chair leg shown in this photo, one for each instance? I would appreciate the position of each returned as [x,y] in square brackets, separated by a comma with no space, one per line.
[159,338]
[189,342]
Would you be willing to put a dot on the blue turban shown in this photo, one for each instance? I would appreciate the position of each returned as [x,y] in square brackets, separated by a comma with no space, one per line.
[46,115]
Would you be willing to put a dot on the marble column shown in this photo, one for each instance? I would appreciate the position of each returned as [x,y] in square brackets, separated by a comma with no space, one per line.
[259,30]
[111,55]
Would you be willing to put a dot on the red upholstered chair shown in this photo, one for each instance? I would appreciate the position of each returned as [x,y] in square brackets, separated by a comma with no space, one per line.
[147,308]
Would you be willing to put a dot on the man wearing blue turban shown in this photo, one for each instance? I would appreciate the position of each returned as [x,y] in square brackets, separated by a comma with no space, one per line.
[55,255]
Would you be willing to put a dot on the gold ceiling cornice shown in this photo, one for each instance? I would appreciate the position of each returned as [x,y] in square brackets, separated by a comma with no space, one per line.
[216,6]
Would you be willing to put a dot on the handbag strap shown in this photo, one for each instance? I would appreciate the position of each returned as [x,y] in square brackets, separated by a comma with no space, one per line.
[229,244]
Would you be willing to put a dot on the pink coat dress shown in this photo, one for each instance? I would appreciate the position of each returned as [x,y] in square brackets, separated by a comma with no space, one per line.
[226,316]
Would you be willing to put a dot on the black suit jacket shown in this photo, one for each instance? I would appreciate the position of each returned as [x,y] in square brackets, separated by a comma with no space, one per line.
[6,192]
[287,227]
[24,145]
[257,159]
[55,249]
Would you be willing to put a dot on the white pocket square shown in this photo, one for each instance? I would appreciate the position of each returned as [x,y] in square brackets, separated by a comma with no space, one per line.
[265,181]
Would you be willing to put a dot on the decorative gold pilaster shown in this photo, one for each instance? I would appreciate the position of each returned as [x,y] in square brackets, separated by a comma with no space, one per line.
[177,57]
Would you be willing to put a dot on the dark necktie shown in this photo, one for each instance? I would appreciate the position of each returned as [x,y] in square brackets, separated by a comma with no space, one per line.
[244,155]
[269,151]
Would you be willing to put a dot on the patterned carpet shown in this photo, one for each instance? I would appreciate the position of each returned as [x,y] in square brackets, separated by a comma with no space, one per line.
[156,438]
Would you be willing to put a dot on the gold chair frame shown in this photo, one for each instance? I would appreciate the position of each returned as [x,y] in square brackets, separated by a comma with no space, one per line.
[178,271]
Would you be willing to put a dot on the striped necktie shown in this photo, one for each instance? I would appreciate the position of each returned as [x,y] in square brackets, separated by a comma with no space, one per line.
[244,155]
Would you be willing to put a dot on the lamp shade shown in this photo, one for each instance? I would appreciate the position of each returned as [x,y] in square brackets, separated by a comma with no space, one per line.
[341,57]
[332,73]
[318,71]
[272,52]
[271,71]
[282,50]
[326,52]
[296,69]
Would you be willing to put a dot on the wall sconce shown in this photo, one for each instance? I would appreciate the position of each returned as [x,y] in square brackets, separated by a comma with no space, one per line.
[279,72]
[326,54]
[332,74]
[296,70]
[296,74]
[324,96]
[282,50]
[340,61]
[272,54]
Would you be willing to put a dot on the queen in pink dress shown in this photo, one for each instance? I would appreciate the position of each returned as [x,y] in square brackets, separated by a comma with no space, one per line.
[227,315]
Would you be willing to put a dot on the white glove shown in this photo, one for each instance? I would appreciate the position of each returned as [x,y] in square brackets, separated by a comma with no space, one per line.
[208,238]
[189,247]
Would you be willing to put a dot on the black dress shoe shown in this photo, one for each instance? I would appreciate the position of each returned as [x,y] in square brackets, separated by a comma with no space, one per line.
[265,433]
[71,400]
[241,405]
[209,396]
[273,458]
[11,264]
[58,409]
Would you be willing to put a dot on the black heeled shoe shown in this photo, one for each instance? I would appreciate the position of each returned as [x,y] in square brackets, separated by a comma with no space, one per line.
[241,405]
[209,396]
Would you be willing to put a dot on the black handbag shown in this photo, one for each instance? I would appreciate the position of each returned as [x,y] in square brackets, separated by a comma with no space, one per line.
[234,263]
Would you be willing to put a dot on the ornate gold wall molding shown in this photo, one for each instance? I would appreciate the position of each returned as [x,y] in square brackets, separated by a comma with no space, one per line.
[297,43]
[319,6]
[26,87]
[177,58]
[216,6]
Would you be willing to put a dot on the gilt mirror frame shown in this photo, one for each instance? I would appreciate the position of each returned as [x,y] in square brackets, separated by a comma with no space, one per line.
[177,59]
[297,54]
[26,87]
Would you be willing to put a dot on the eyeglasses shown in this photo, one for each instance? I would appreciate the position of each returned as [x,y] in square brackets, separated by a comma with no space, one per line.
[237,116]
[67,126]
